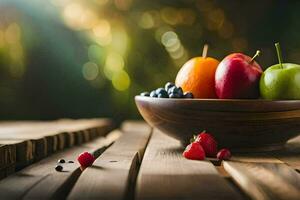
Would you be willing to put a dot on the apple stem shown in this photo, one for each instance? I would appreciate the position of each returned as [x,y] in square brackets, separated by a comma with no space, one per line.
[279,55]
[204,52]
[256,54]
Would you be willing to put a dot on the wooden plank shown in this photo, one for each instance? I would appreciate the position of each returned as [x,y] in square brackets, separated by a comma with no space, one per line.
[41,181]
[165,174]
[33,130]
[265,180]
[134,125]
[290,154]
[44,138]
[113,173]
[7,170]
[8,154]
[263,157]
[21,154]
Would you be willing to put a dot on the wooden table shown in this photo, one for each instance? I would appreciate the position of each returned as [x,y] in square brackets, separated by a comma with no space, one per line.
[133,162]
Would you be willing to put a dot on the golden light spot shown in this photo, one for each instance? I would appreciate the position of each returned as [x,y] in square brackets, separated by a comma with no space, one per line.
[102,29]
[114,62]
[16,52]
[108,73]
[177,54]
[146,21]
[16,67]
[169,38]
[12,33]
[119,41]
[90,71]
[121,81]
[170,15]
[88,19]
[104,41]
[101,2]
[175,47]
[2,41]
[72,15]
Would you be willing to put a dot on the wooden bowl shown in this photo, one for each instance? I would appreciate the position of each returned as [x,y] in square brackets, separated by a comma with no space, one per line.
[241,125]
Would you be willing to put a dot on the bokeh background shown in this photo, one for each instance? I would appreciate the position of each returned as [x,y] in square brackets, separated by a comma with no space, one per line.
[88,58]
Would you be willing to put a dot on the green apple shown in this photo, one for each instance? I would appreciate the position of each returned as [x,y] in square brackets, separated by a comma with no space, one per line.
[280,81]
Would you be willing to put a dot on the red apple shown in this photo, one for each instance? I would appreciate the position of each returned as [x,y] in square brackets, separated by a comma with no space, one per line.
[237,77]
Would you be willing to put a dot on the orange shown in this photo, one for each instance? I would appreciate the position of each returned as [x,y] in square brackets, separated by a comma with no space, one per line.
[198,76]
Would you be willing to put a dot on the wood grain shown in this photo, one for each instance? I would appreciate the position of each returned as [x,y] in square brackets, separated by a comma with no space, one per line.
[25,142]
[134,125]
[165,174]
[113,173]
[8,154]
[265,180]
[41,181]
[290,154]
[21,152]
[240,125]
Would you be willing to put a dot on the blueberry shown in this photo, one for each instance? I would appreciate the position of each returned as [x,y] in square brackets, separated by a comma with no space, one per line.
[176,90]
[160,90]
[153,94]
[174,95]
[145,94]
[180,91]
[161,93]
[61,161]
[58,168]
[172,89]
[169,85]
[188,95]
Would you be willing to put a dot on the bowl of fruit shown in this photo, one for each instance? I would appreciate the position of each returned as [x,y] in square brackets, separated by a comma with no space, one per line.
[246,108]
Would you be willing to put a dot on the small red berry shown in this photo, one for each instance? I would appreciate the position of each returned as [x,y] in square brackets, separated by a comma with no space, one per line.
[194,151]
[86,159]
[224,154]
[208,143]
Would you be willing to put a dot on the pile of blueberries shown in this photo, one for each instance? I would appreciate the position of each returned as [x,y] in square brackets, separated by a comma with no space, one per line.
[170,91]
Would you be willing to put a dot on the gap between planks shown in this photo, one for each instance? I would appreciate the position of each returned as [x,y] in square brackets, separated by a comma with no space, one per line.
[113,174]
[165,174]
[24,142]
[41,181]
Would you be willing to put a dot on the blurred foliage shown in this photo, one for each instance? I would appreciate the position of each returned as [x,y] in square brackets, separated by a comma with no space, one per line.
[88,58]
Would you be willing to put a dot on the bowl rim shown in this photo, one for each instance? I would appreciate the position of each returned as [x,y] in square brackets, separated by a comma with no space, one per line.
[223,105]
[219,100]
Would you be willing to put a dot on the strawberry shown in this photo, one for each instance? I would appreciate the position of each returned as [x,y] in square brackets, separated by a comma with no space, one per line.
[208,143]
[194,151]
[224,154]
[85,159]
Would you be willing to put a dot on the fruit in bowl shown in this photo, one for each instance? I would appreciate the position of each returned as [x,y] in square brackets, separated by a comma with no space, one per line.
[237,77]
[198,76]
[238,120]
[281,81]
